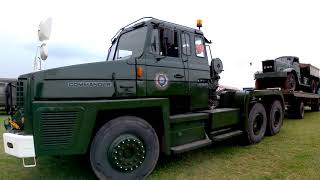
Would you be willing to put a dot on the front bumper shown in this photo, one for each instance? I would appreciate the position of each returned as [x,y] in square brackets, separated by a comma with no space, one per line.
[21,146]
[270,75]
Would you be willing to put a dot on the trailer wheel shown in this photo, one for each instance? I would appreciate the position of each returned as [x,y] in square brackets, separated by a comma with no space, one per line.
[275,118]
[314,86]
[291,82]
[124,148]
[297,111]
[315,107]
[257,123]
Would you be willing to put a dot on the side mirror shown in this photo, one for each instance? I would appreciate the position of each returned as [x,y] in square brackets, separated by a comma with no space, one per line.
[44,51]
[44,29]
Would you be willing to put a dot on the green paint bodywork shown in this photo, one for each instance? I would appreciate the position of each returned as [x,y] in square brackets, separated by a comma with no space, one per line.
[61,106]
[82,130]
[271,75]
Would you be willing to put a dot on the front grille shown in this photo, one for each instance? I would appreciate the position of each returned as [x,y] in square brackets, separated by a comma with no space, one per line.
[268,66]
[20,94]
[57,128]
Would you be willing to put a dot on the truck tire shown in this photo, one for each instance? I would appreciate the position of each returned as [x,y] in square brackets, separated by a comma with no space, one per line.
[314,86]
[315,107]
[256,125]
[124,148]
[297,110]
[290,82]
[300,110]
[275,118]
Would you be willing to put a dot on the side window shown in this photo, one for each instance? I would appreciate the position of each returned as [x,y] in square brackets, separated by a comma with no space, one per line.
[169,42]
[112,51]
[199,45]
[185,38]
[155,45]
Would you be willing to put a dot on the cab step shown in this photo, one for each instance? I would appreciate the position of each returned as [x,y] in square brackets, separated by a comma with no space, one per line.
[224,136]
[220,131]
[191,146]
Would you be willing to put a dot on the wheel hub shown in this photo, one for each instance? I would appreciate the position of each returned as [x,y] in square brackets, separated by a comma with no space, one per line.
[277,117]
[126,153]
[257,124]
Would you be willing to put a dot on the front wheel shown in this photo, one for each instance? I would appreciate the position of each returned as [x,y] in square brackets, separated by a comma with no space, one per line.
[124,148]
[256,125]
[290,82]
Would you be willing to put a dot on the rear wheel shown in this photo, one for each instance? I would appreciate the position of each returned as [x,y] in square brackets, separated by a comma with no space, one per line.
[315,106]
[300,110]
[296,110]
[314,86]
[257,123]
[275,118]
[124,148]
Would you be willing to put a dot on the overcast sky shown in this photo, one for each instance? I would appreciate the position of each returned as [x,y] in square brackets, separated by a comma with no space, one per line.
[241,31]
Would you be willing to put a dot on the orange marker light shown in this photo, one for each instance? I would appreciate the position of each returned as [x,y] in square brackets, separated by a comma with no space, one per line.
[199,23]
[139,71]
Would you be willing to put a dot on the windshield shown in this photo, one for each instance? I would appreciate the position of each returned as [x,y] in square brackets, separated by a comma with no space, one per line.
[129,44]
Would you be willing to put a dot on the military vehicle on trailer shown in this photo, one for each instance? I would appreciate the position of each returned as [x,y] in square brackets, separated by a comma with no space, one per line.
[155,93]
[299,83]
[289,74]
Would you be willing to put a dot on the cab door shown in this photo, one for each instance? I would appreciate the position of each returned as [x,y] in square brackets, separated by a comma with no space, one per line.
[199,73]
[166,73]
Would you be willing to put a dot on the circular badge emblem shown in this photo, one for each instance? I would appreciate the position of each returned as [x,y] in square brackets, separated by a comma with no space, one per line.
[161,81]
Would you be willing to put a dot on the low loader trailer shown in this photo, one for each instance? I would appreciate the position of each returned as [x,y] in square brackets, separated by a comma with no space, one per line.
[156,93]
[295,102]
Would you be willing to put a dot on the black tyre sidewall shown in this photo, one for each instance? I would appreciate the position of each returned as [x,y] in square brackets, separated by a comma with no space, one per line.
[251,137]
[300,110]
[271,129]
[113,129]
[315,107]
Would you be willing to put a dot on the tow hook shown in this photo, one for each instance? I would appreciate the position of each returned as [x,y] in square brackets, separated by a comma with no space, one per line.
[9,123]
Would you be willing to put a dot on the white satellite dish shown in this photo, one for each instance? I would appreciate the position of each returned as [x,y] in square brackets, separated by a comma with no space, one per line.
[44,32]
[44,29]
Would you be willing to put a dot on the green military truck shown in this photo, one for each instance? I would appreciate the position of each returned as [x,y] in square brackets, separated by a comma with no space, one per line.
[288,73]
[299,83]
[155,93]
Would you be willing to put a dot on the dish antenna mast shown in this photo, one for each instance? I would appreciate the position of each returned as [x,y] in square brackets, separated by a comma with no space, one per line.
[44,32]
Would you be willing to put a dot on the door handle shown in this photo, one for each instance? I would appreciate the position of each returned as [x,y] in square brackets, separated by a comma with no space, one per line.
[178,76]
[125,87]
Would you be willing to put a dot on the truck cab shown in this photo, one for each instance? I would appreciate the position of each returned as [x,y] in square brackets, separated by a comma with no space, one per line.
[172,60]
[155,93]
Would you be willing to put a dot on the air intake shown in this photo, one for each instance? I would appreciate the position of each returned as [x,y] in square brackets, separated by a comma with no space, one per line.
[57,128]
[20,94]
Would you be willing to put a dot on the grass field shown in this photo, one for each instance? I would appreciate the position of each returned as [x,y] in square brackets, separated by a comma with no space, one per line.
[292,154]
